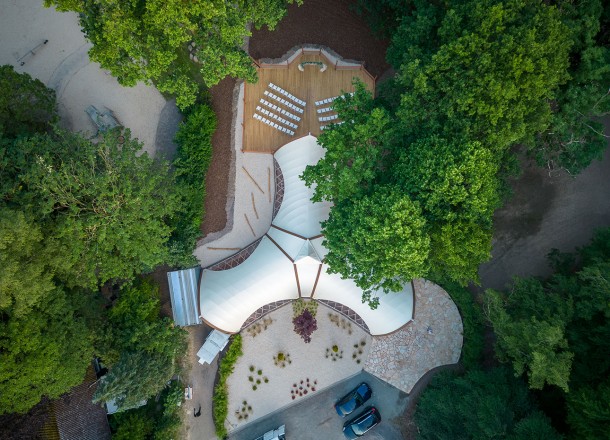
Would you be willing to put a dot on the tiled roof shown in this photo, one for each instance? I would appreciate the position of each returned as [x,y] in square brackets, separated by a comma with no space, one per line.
[77,417]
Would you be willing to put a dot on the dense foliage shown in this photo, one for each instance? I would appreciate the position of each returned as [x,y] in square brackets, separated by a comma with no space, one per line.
[75,215]
[43,352]
[194,139]
[147,40]
[154,421]
[575,137]
[142,349]
[474,81]
[105,202]
[480,406]
[26,104]
[221,392]
[557,332]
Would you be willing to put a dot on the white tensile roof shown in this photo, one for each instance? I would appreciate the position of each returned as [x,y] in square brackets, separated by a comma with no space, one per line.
[288,262]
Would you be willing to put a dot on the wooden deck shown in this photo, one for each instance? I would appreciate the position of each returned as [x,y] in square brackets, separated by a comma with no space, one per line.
[310,85]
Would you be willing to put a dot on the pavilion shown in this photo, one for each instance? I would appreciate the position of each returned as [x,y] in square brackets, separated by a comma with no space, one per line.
[288,261]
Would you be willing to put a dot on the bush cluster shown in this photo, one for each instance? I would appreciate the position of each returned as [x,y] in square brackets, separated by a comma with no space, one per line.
[220,399]
[194,139]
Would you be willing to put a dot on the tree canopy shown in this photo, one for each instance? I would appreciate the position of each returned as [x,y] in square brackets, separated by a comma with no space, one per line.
[557,332]
[379,240]
[43,352]
[575,135]
[74,215]
[141,348]
[480,405]
[105,205]
[26,104]
[475,81]
[147,40]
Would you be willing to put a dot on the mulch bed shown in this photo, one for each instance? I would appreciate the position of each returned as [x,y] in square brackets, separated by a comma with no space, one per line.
[327,22]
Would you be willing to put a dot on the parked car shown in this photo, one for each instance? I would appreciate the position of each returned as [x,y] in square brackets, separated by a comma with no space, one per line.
[360,425]
[353,400]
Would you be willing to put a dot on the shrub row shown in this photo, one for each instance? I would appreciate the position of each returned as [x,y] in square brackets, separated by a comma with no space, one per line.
[221,392]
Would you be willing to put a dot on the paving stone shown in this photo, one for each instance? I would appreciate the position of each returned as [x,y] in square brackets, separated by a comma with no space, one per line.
[433,339]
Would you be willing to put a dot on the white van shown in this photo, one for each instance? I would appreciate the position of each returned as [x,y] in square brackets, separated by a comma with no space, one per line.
[276,434]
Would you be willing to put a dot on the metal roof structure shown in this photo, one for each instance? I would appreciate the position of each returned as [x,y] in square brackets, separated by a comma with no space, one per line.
[183,288]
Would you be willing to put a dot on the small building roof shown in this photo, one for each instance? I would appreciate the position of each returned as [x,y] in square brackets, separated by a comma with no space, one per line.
[78,418]
[183,294]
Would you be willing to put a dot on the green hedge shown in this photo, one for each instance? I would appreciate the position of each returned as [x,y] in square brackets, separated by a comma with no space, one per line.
[194,139]
[221,392]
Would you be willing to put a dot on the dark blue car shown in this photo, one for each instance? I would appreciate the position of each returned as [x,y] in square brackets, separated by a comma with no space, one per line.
[353,400]
[362,424]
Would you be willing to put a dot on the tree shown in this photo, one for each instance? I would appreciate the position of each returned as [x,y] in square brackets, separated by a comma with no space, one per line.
[147,41]
[589,411]
[479,405]
[25,275]
[142,349]
[133,324]
[575,136]
[355,150]
[26,104]
[532,343]
[106,205]
[44,352]
[489,75]
[379,240]
[457,186]
[136,377]
[134,426]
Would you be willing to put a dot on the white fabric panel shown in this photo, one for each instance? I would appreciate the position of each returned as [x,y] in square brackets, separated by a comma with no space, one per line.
[291,244]
[307,269]
[320,249]
[229,297]
[394,311]
[297,213]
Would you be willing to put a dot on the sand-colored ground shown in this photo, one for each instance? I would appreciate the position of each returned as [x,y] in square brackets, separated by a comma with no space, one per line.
[251,203]
[63,65]
[308,361]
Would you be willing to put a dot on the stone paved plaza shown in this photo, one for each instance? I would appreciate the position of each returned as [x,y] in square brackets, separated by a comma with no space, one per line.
[432,339]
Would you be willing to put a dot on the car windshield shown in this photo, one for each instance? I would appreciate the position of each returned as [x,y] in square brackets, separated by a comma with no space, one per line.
[364,425]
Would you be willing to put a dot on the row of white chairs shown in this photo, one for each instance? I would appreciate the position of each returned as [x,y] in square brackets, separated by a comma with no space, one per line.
[329,100]
[328,118]
[286,94]
[279,109]
[273,124]
[325,110]
[276,117]
[283,101]
[324,127]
